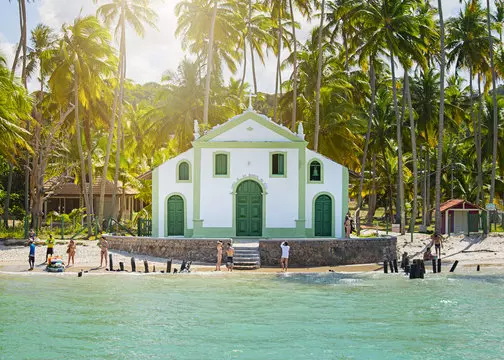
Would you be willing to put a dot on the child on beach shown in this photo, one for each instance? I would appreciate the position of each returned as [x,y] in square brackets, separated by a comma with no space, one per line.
[31,256]
[103,244]
[229,254]
[50,247]
[71,253]
[284,260]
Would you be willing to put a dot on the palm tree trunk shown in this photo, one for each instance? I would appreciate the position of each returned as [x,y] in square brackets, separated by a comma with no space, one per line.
[389,180]
[439,159]
[20,44]
[478,144]
[209,66]
[428,213]
[366,145]
[242,83]
[294,70]
[277,77]
[110,139]
[372,195]
[413,152]
[122,76]
[81,154]
[319,80]
[87,135]
[7,196]
[422,181]
[399,148]
[475,131]
[494,100]
[253,67]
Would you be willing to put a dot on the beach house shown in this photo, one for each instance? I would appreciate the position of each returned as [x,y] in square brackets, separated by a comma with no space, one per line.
[249,177]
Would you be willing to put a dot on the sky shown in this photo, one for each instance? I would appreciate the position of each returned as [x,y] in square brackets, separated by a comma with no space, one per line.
[148,57]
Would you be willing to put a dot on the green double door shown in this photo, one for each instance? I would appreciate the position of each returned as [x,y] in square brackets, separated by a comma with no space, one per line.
[323,216]
[175,215]
[249,209]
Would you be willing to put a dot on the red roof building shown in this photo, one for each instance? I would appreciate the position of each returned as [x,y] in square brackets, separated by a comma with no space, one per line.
[459,216]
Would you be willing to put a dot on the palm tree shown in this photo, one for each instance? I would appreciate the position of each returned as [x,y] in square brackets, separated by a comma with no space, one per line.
[319,78]
[209,29]
[393,24]
[467,45]
[136,13]
[494,98]
[439,159]
[85,58]
[304,7]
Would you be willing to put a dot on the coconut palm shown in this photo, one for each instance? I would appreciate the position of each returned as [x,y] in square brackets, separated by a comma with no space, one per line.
[494,98]
[209,29]
[85,58]
[136,13]
[319,78]
[441,119]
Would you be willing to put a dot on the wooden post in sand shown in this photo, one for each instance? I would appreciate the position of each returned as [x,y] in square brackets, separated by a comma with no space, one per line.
[454,266]
[434,266]
[391,266]
[395,266]
[153,268]
[168,266]
[133,265]
[111,268]
[121,266]
[478,268]
[385,266]
[438,265]
[146,266]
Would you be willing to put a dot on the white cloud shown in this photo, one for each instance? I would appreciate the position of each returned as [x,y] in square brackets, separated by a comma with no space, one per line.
[7,49]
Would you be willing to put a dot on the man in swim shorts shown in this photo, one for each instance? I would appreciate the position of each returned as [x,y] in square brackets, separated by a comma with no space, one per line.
[50,247]
[229,254]
[437,241]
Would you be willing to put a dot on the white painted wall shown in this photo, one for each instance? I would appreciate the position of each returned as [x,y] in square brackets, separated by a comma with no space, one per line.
[250,130]
[333,178]
[168,185]
[216,193]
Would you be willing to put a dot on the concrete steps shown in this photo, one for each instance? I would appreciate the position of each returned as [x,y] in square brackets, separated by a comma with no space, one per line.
[247,256]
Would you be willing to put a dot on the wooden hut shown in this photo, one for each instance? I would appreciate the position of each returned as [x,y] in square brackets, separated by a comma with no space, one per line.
[459,216]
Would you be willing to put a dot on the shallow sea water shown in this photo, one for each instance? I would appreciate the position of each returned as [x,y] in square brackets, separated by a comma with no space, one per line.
[251,316]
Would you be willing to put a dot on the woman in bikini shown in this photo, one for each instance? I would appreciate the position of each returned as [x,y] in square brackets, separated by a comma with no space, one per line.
[71,253]
[104,251]
[219,256]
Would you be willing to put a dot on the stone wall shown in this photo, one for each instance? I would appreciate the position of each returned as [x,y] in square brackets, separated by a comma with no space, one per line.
[305,252]
[328,252]
[197,250]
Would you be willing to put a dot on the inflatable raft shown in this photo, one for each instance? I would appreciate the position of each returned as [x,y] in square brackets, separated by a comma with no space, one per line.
[55,264]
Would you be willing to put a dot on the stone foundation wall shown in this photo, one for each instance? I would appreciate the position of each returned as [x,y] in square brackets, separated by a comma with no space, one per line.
[328,252]
[197,250]
[305,252]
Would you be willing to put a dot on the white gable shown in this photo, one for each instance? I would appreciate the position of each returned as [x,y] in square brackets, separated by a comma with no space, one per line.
[250,130]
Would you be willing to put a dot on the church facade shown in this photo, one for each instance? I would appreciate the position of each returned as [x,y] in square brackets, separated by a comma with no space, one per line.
[249,177]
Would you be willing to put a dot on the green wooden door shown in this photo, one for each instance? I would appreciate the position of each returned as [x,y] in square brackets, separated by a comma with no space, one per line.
[175,215]
[249,209]
[323,216]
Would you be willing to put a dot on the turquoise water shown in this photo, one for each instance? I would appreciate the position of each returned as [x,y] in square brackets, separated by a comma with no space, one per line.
[247,316]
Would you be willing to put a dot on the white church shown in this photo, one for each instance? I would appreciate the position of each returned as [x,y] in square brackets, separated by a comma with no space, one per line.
[249,177]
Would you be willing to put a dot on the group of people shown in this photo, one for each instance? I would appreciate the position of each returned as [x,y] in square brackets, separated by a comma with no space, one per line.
[229,256]
[284,259]
[437,242]
[71,250]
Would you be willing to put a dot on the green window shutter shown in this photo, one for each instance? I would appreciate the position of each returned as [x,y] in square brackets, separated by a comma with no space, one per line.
[221,164]
[184,171]
[315,169]
[278,164]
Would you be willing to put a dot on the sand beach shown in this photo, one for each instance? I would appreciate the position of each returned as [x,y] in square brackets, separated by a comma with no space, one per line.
[470,251]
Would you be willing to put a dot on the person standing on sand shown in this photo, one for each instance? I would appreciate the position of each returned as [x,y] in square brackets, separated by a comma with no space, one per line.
[219,256]
[348,225]
[284,260]
[71,253]
[50,247]
[437,241]
[103,244]
[31,256]
[229,254]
